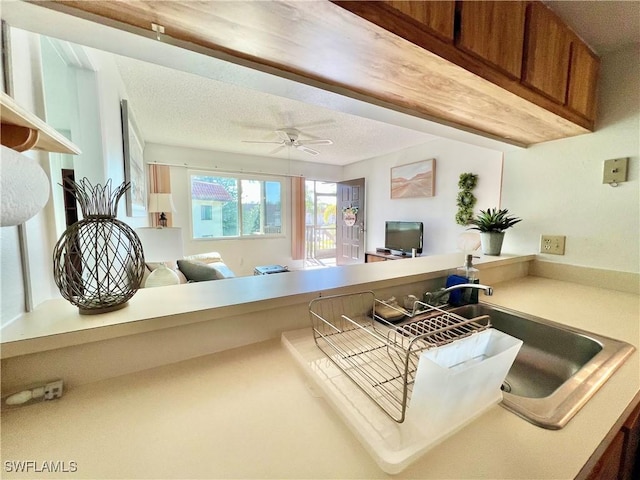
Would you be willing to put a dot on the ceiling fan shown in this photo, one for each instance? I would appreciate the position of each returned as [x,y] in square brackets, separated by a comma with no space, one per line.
[289,138]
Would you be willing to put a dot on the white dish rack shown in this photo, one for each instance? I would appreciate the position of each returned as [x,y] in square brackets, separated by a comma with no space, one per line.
[379,357]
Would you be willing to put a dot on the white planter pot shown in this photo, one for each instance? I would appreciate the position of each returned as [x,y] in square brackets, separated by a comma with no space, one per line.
[491,242]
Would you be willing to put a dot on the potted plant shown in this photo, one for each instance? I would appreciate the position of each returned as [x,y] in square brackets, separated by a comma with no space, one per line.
[492,223]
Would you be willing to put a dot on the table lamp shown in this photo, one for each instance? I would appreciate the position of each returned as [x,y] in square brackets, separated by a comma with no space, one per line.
[161,203]
[160,245]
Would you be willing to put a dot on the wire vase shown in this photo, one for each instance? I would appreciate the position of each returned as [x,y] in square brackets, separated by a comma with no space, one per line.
[98,262]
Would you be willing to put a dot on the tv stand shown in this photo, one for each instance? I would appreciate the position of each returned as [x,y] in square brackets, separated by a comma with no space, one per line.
[370,257]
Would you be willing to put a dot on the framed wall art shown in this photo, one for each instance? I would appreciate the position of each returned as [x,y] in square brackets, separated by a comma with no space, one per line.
[414,179]
[133,148]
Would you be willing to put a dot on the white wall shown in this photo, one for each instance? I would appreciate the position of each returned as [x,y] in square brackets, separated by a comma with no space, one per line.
[437,213]
[11,291]
[557,186]
[90,110]
[95,125]
[61,104]
[27,74]
[244,254]
[110,91]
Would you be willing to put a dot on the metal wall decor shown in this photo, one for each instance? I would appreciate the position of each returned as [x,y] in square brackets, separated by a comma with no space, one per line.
[98,262]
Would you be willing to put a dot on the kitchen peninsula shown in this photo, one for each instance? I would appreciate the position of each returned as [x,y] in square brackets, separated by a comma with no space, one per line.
[247,412]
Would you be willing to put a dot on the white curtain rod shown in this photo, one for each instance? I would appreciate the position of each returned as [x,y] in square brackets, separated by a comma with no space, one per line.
[225,170]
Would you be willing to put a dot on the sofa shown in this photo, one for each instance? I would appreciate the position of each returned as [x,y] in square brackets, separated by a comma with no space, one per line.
[201,267]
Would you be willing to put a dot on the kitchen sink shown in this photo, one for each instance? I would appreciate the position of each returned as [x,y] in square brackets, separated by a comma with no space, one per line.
[558,368]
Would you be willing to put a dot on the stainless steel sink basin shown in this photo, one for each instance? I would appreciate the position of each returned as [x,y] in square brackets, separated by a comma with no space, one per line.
[558,368]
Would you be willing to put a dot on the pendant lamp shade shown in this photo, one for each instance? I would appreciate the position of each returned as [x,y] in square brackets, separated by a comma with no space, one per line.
[24,187]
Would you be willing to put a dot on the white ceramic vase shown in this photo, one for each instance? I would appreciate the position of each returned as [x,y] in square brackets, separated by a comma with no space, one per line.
[491,242]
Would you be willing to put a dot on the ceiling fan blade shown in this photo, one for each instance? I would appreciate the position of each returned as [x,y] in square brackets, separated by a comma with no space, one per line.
[257,141]
[276,150]
[308,150]
[319,141]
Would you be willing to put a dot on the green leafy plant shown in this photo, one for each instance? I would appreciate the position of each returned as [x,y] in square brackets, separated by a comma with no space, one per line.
[493,220]
[467,181]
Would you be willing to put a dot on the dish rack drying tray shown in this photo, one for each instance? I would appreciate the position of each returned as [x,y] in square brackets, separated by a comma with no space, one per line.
[379,357]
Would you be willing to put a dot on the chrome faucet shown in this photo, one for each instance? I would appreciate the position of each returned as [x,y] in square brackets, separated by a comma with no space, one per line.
[436,298]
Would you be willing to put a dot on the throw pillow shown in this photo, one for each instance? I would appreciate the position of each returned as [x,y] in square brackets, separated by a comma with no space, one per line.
[222,270]
[196,271]
[211,257]
[151,266]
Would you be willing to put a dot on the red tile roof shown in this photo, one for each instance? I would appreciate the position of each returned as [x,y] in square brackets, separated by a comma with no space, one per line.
[209,191]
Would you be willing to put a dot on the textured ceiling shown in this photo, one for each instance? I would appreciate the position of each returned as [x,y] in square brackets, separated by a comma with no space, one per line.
[177,108]
[606,25]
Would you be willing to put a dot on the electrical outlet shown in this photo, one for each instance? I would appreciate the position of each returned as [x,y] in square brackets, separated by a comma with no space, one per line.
[553,244]
[34,393]
[53,390]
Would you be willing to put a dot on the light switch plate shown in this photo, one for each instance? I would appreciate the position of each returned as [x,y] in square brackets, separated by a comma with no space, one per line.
[615,170]
[553,244]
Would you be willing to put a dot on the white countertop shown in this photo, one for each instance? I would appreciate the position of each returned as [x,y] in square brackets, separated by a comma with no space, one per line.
[248,413]
[56,323]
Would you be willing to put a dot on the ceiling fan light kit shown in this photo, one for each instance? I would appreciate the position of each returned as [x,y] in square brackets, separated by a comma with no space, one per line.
[289,138]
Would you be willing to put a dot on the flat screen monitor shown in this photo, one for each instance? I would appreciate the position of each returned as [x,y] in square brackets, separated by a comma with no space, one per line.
[402,237]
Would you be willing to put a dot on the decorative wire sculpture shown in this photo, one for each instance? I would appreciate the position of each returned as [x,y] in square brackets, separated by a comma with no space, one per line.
[98,263]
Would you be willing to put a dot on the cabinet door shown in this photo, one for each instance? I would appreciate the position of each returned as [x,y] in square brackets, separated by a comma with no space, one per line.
[608,466]
[374,258]
[630,468]
[583,79]
[436,16]
[547,50]
[494,32]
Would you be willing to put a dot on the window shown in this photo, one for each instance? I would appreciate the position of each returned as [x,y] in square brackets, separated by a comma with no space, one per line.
[235,207]
[206,212]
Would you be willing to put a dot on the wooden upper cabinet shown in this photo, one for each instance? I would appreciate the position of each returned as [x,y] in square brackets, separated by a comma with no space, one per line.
[437,16]
[520,46]
[583,79]
[494,32]
[546,53]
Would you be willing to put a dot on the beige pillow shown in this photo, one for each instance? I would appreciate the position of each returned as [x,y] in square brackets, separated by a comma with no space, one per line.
[211,257]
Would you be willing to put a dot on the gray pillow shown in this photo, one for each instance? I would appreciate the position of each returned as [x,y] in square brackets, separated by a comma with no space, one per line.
[196,271]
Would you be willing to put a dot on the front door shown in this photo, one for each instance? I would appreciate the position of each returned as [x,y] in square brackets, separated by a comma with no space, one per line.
[350,228]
